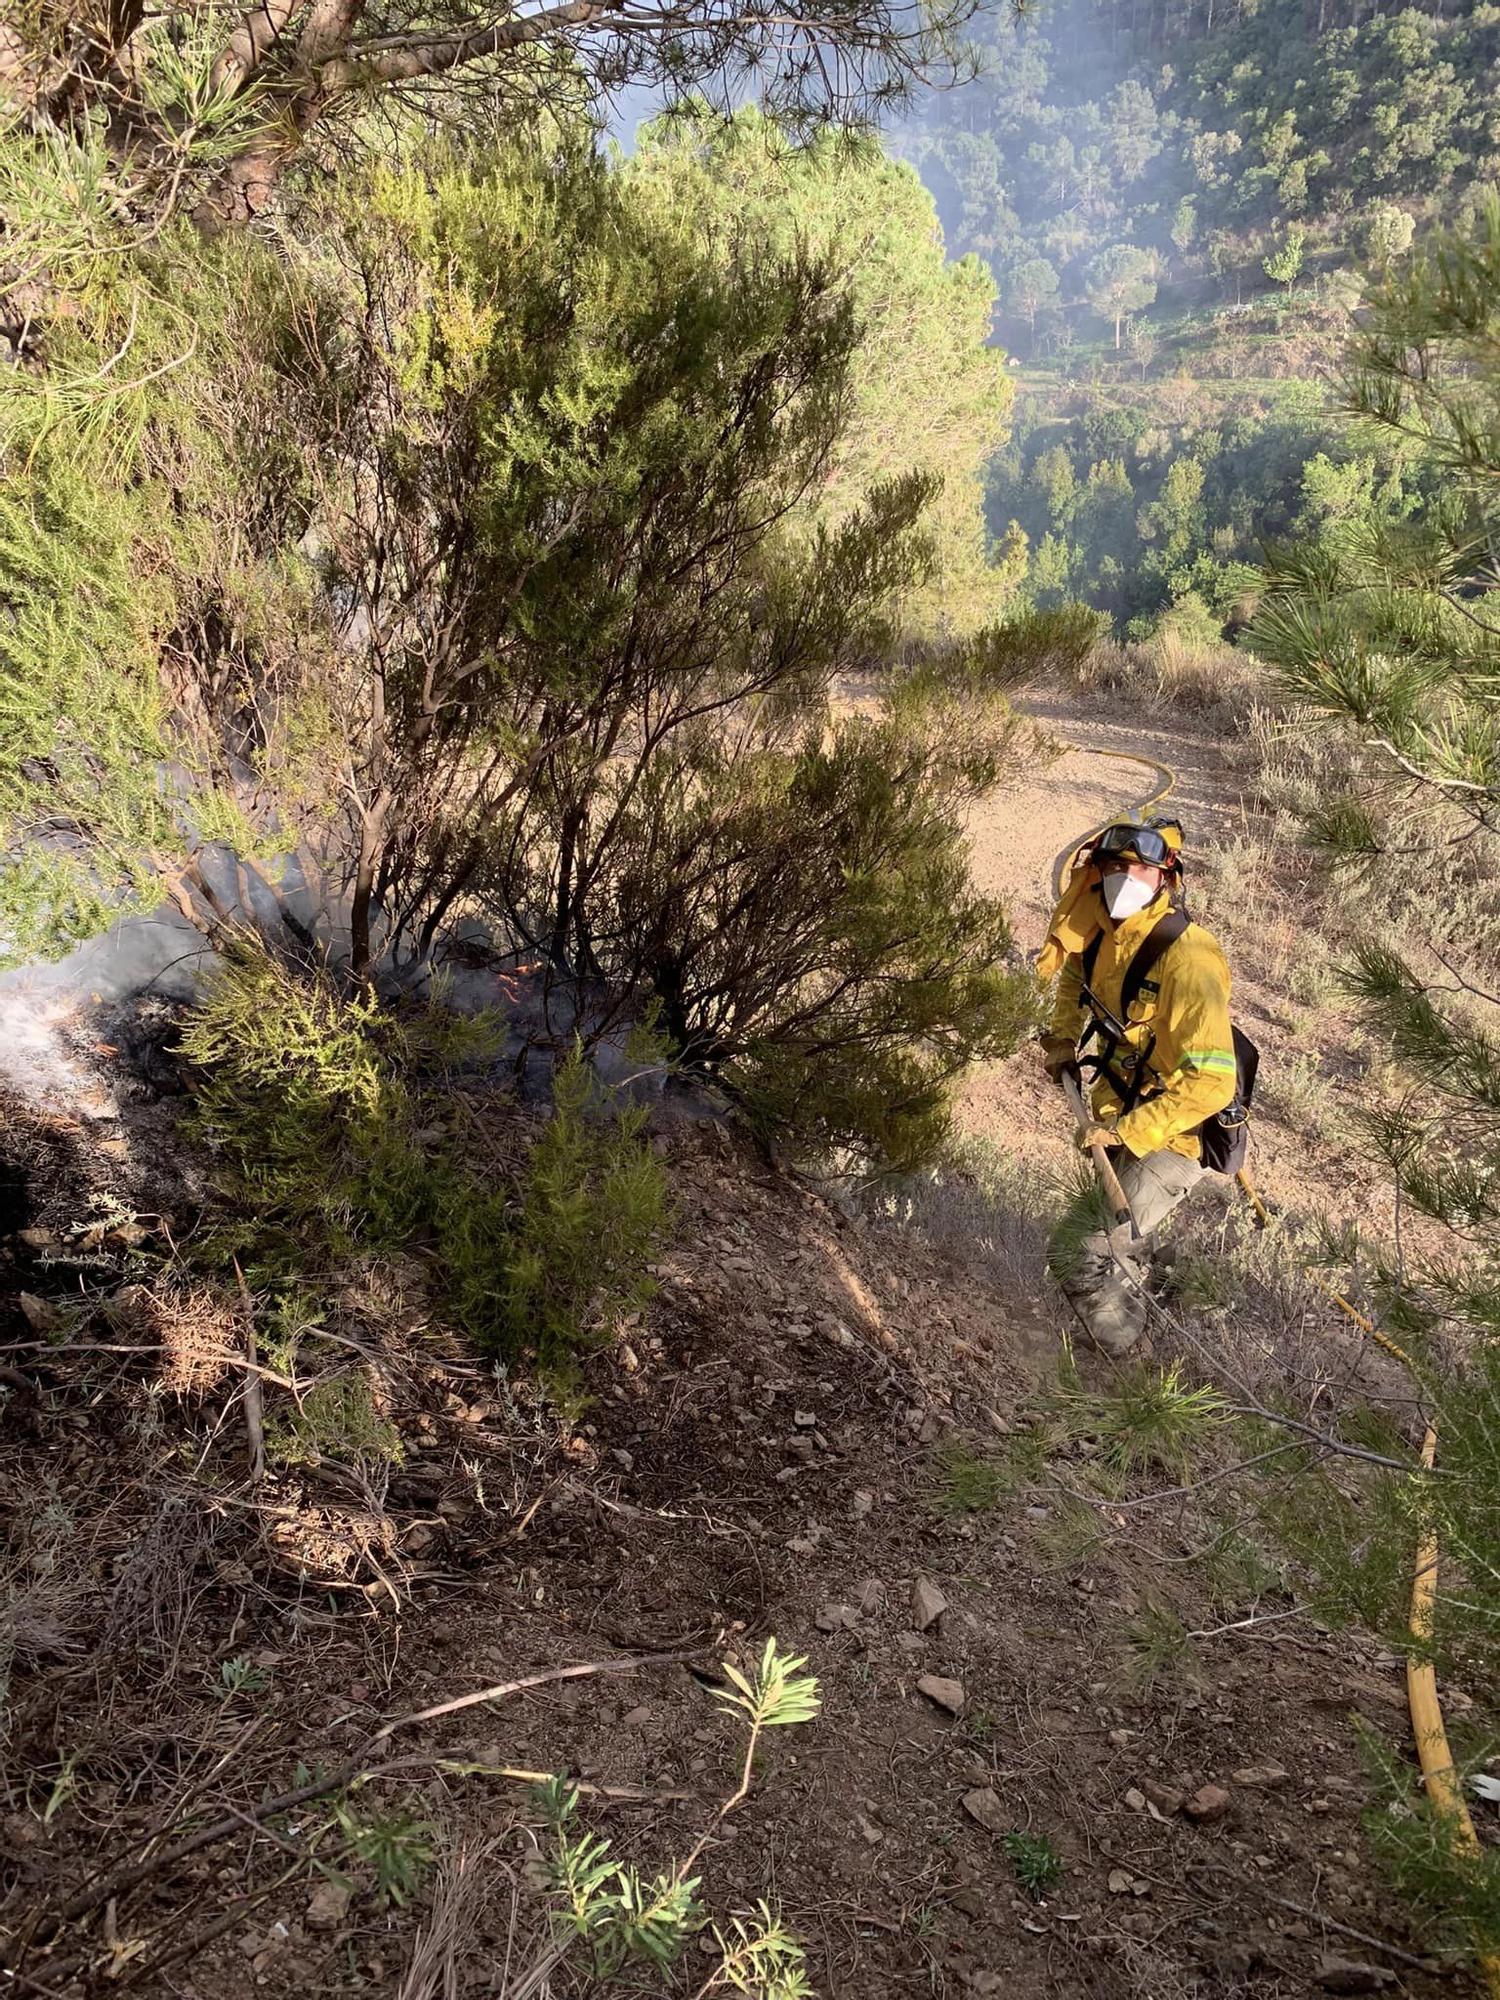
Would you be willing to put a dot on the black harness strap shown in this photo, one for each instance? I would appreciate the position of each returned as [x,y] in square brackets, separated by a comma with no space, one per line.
[1130,1087]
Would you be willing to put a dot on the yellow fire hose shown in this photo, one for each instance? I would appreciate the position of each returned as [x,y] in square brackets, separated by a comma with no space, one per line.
[1166,779]
[1431,1737]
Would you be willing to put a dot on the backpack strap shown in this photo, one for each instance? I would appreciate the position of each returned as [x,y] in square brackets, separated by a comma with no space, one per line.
[1164,932]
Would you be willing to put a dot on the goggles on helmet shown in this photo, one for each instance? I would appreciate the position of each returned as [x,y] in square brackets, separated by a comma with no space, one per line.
[1151,844]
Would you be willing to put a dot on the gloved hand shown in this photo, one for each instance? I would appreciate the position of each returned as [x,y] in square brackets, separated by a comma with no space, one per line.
[1097,1135]
[1060,1059]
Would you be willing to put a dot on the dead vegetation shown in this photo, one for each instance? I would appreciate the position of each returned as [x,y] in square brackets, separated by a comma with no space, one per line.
[1176,673]
[285,1729]
[303,1598]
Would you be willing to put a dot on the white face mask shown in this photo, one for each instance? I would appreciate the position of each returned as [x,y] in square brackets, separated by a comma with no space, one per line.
[1124,895]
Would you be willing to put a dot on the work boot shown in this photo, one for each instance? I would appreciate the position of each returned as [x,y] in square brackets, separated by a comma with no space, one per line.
[1105,1297]
[1114,1320]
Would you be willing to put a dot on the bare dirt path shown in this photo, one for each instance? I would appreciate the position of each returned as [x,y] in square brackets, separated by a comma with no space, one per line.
[1022,828]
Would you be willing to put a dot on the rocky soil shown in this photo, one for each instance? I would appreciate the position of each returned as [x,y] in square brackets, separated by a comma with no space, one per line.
[817,1430]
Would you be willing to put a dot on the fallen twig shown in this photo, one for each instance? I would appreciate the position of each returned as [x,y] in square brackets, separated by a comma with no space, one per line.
[118,1881]
[72,1347]
[1256,1618]
[1316,1916]
[255,1429]
[625,1794]
[1179,1492]
[189,1947]
[626,1664]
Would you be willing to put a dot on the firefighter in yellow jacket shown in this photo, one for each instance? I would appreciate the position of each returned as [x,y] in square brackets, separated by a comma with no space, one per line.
[1154,1044]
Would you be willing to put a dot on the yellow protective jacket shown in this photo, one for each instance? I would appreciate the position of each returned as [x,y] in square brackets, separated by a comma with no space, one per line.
[1184,1005]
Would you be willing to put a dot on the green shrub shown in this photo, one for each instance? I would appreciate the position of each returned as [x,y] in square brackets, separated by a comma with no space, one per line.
[159,621]
[335,1419]
[1037,1863]
[801,901]
[1086,1214]
[1072,1534]
[620,501]
[968,1483]
[394,1846]
[1453,1886]
[926,322]
[82,722]
[319,1106]
[303,1100]
[576,1233]
[623,1920]
[1151,1421]
[1158,1651]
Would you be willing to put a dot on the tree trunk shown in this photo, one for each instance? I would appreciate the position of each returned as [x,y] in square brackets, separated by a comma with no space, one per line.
[370,835]
[567,858]
[1118,318]
[244,189]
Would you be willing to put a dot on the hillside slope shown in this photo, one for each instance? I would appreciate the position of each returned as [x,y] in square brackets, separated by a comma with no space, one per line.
[765,1453]
[1182,206]
[849,1433]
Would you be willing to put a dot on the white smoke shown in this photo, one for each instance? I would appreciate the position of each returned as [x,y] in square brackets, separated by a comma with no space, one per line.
[47,1053]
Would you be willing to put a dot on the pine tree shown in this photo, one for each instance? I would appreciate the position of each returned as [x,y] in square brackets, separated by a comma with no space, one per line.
[924,321]
[1391,634]
[202,109]
[1121,282]
[1031,288]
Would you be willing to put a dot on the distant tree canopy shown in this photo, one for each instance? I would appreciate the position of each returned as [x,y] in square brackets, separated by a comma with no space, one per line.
[1284,264]
[1132,512]
[1182,202]
[1030,289]
[927,393]
[1199,131]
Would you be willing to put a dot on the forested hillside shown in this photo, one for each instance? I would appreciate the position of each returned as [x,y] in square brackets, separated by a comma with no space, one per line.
[1181,206]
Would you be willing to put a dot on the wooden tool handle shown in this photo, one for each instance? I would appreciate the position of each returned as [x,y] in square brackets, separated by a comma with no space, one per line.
[1103,1165]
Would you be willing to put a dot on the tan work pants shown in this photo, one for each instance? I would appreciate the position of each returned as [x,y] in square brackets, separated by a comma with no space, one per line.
[1106,1287]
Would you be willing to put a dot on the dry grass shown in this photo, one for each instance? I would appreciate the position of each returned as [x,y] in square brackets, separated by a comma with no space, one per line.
[1300,1095]
[1291,764]
[983,1205]
[451,1936]
[159,1580]
[1172,671]
[39,1620]
[1272,1325]
[201,1333]
[1444,884]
